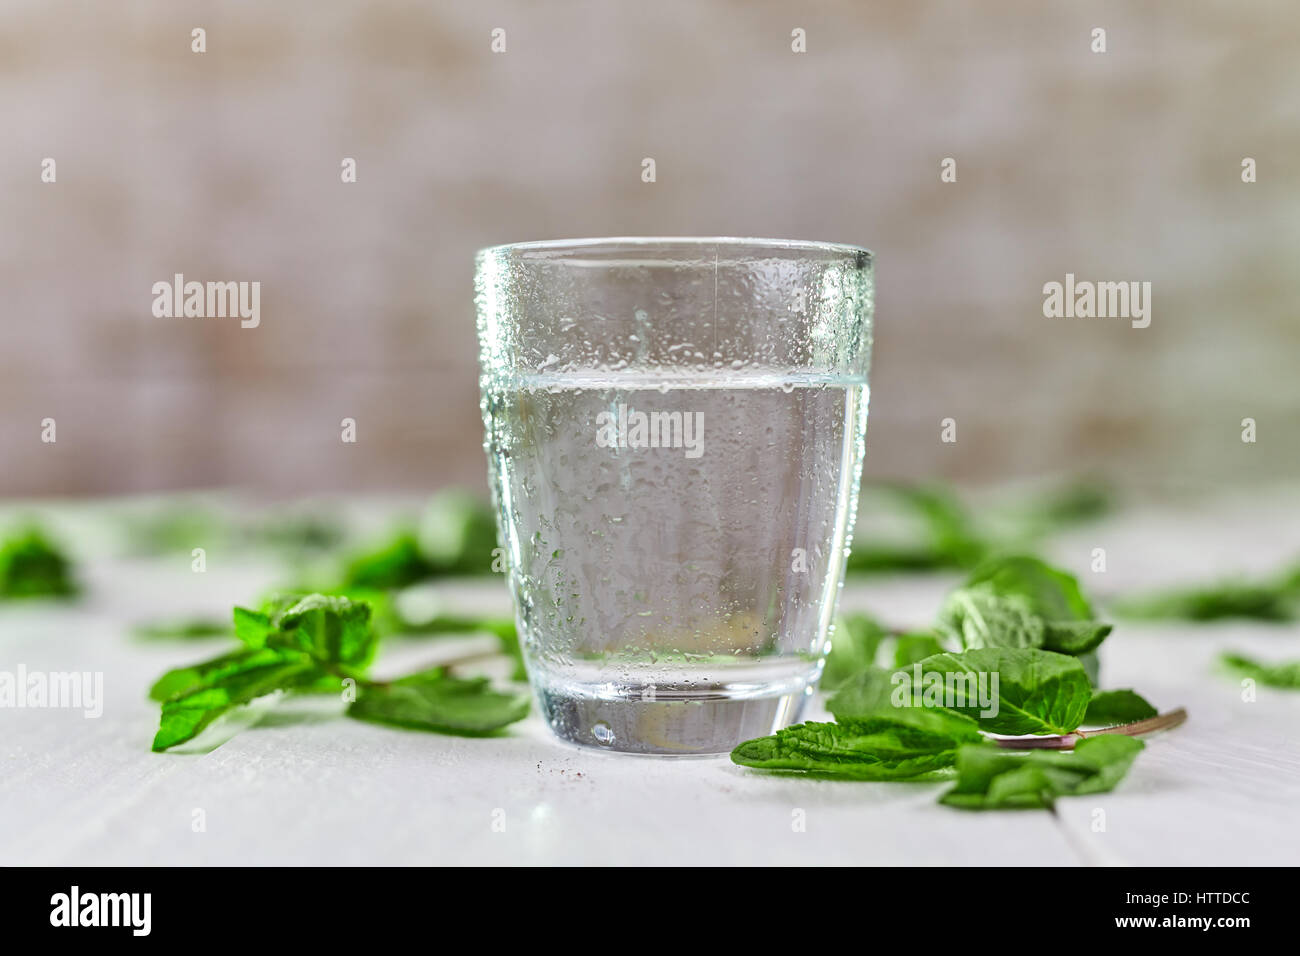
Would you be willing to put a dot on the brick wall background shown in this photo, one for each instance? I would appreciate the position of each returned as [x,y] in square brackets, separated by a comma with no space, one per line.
[225,165]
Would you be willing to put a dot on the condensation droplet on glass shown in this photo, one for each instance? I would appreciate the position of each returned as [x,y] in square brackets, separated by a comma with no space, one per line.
[603,733]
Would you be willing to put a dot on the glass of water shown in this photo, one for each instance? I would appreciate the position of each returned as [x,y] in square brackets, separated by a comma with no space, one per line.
[675,430]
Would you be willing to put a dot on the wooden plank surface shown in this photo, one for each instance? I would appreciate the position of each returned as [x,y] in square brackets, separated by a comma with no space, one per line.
[299,784]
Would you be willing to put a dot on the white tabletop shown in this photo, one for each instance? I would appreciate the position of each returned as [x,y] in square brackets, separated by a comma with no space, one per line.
[297,783]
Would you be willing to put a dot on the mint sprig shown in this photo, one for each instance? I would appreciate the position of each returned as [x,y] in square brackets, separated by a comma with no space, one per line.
[315,643]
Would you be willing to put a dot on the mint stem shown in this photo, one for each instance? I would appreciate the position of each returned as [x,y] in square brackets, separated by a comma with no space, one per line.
[1067,741]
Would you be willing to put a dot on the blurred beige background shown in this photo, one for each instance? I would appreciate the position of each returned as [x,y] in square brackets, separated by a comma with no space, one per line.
[225,166]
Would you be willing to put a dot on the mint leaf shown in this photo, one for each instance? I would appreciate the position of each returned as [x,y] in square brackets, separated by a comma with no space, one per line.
[913,647]
[331,629]
[1267,601]
[992,779]
[1110,707]
[31,566]
[253,627]
[432,700]
[458,534]
[1284,674]
[978,616]
[1069,624]
[854,644]
[224,684]
[889,746]
[194,628]
[183,678]
[1036,692]
[394,564]
[867,692]
[947,535]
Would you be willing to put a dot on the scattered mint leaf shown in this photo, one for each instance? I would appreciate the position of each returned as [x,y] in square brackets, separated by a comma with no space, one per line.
[1035,587]
[458,534]
[1276,601]
[396,564]
[1283,674]
[895,745]
[992,779]
[854,645]
[224,684]
[32,566]
[331,629]
[433,700]
[978,616]
[182,629]
[1110,707]
[948,536]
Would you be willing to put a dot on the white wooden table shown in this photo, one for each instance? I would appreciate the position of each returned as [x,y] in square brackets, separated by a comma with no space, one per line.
[300,784]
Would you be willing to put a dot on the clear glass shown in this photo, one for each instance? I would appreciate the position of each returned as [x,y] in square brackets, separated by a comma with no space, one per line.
[674,430]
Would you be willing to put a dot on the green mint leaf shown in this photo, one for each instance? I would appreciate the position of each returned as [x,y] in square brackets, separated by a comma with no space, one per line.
[854,645]
[979,616]
[866,693]
[947,535]
[253,627]
[205,673]
[989,778]
[1111,707]
[913,647]
[1284,674]
[329,628]
[458,534]
[896,745]
[226,683]
[182,629]
[1069,624]
[1075,637]
[432,700]
[396,564]
[1037,692]
[31,566]
[1275,602]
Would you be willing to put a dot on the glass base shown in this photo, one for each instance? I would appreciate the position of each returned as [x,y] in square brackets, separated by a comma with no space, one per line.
[667,720]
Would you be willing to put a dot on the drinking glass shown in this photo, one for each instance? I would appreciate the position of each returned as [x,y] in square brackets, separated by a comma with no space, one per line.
[674,429]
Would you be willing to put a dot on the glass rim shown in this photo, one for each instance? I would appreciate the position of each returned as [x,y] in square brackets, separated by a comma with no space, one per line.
[743,244]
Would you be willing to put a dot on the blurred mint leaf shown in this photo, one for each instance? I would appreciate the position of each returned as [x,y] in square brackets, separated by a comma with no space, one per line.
[947,536]
[1276,601]
[32,566]
[192,628]
[1282,674]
